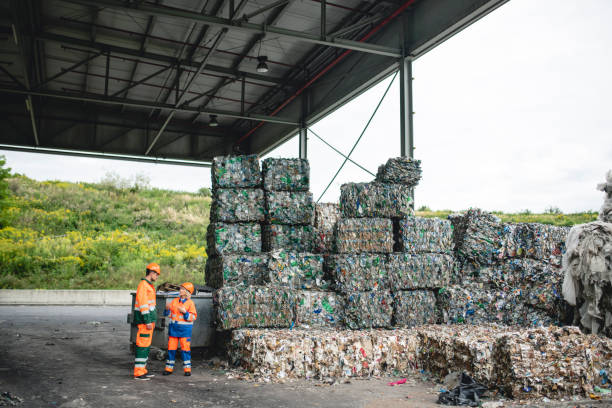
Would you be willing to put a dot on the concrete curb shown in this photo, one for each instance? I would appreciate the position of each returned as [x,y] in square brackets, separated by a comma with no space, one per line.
[65,297]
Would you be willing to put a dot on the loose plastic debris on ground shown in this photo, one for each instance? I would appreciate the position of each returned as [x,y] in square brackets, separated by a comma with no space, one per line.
[316,309]
[587,267]
[289,207]
[236,172]
[358,272]
[375,200]
[298,238]
[553,362]
[237,205]
[401,170]
[296,270]
[253,306]
[286,174]
[605,214]
[225,238]
[414,308]
[423,270]
[478,236]
[236,269]
[417,234]
[326,217]
[368,235]
[365,310]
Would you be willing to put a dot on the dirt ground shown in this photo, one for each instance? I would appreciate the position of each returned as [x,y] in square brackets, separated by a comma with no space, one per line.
[78,357]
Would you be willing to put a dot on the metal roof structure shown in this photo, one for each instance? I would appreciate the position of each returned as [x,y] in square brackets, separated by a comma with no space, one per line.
[141,80]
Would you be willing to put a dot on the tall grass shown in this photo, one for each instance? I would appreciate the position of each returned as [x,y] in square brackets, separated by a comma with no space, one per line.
[80,235]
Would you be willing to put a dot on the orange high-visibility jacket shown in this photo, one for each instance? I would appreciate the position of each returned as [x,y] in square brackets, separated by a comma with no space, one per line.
[182,323]
[144,306]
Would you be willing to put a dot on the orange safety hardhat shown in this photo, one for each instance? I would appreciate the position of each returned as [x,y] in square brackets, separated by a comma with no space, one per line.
[188,286]
[154,268]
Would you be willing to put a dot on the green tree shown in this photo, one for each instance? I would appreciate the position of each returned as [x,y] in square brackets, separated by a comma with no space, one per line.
[5,172]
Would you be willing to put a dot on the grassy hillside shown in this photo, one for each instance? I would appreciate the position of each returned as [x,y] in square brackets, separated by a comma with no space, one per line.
[67,235]
[100,236]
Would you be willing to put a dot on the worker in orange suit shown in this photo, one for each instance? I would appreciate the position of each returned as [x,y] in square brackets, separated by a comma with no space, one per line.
[145,316]
[183,313]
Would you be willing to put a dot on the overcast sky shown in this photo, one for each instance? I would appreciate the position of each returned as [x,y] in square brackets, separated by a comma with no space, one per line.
[511,114]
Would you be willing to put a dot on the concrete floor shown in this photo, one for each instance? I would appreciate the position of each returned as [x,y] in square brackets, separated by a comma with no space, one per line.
[71,356]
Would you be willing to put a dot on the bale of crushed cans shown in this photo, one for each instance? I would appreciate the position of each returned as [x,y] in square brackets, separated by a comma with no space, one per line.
[236,172]
[296,270]
[553,362]
[414,308]
[237,205]
[478,236]
[224,238]
[418,234]
[318,309]
[358,272]
[297,238]
[366,310]
[423,270]
[535,241]
[375,200]
[289,207]
[315,353]
[474,303]
[236,269]
[286,174]
[400,170]
[325,220]
[253,306]
[370,235]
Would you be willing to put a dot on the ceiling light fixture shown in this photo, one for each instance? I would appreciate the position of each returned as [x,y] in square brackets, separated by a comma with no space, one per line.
[262,67]
[213,121]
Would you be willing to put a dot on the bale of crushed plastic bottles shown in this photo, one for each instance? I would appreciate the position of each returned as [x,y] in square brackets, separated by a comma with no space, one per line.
[368,235]
[419,271]
[237,205]
[253,306]
[358,272]
[325,220]
[289,207]
[296,238]
[236,269]
[366,310]
[225,238]
[375,200]
[296,270]
[286,174]
[478,236]
[318,309]
[414,308]
[400,170]
[236,172]
[418,234]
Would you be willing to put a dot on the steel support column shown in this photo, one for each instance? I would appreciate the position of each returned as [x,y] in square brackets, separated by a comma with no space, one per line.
[303,141]
[406,113]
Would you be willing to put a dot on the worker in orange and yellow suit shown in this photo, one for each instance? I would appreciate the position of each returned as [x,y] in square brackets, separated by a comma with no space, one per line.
[183,313]
[145,316]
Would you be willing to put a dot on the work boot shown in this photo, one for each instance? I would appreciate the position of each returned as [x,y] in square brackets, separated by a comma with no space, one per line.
[167,372]
[142,378]
[187,373]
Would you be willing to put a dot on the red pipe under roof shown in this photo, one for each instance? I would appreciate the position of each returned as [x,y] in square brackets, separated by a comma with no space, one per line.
[330,66]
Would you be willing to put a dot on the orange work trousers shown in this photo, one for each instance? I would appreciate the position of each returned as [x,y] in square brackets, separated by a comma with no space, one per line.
[144,337]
